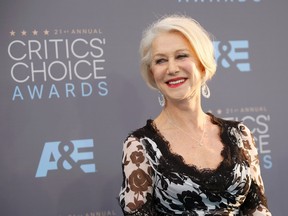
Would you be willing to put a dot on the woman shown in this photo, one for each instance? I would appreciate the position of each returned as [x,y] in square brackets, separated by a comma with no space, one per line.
[187,162]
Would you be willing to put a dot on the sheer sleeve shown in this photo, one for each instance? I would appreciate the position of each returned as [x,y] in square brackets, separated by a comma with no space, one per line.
[136,192]
[255,203]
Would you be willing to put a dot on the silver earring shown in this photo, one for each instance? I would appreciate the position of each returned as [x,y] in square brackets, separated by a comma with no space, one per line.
[161,99]
[205,90]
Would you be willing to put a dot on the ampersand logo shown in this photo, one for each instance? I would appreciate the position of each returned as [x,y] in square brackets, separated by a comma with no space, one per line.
[65,161]
[68,155]
[233,55]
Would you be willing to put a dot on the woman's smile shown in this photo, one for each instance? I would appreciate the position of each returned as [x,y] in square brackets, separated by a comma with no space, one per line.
[175,82]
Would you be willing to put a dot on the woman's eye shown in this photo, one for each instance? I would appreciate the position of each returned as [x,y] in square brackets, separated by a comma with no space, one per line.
[181,56]
[160,61]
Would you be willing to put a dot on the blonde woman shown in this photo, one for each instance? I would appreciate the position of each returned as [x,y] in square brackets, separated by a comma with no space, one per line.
[186,161]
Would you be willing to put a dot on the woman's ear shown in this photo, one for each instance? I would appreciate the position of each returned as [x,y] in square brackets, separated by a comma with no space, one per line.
[203,74]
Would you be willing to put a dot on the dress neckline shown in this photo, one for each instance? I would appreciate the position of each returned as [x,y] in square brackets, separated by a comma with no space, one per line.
[178,162]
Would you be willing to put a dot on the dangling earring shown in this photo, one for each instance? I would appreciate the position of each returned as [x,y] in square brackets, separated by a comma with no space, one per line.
[161,99]
[205,90]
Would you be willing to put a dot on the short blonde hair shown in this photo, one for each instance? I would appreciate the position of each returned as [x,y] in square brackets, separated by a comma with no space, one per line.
[198,37]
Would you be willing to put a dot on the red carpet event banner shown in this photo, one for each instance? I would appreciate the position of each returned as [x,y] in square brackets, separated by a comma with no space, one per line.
[71,91]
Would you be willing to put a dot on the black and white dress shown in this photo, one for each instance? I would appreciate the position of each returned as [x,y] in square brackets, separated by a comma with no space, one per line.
[158,182]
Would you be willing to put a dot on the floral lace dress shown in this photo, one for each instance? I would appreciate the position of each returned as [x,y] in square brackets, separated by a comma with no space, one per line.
[158,182]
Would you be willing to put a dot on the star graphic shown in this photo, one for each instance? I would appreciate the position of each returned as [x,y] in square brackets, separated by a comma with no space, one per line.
[46,32]
[12,33]
[24,33]
[34,32]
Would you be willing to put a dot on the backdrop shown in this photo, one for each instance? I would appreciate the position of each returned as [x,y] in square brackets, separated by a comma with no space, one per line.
[71,91]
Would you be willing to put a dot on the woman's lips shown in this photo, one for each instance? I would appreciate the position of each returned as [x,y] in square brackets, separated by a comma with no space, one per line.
[173,83]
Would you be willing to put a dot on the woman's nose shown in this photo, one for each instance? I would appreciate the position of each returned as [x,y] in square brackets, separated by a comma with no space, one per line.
[172,67]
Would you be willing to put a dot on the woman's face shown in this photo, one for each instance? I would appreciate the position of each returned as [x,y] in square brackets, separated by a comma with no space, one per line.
[175,67]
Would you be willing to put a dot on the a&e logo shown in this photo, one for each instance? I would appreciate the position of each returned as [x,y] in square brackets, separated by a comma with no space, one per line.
[67,155]
[233,54]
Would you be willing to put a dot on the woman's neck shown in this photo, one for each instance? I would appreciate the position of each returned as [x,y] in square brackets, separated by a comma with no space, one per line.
[188,115]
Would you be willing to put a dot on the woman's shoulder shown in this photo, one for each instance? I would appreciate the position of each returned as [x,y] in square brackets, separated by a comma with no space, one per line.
[223,121]
[145,131]
[228,123]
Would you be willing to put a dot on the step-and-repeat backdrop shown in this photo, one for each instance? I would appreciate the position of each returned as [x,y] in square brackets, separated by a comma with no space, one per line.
[70,92]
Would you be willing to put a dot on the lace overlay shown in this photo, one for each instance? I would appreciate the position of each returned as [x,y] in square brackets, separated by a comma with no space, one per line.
[158,182]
